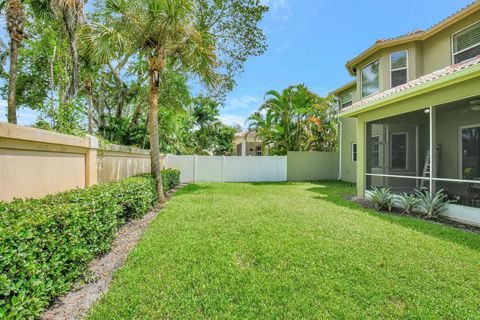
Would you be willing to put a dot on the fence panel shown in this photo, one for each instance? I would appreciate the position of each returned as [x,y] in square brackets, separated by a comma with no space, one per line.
[209,169]
[183,163]
[228,169]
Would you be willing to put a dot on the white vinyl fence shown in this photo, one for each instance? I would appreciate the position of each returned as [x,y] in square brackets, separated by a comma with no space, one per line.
[228,169]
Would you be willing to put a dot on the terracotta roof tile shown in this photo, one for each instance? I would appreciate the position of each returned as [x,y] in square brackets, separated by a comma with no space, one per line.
[415,83]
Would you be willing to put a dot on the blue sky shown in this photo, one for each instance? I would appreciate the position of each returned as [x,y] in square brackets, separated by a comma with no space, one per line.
[310,41]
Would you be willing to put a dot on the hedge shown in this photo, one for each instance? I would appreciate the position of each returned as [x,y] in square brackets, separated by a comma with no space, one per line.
[47,244]
[170,179]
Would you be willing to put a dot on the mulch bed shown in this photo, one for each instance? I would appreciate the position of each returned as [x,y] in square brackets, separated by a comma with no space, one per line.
[75,304]
[438,220]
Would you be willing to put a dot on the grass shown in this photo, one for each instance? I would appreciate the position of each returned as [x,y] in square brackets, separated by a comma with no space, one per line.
[292,251]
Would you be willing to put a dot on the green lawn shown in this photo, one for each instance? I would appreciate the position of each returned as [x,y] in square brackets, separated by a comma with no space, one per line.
[292,251]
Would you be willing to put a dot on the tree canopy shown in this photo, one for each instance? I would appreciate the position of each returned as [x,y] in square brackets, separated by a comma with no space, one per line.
[296,119]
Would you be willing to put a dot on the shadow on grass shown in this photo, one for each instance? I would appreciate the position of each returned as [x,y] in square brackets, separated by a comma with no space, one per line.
[192,188]
[335,192]
[273,184]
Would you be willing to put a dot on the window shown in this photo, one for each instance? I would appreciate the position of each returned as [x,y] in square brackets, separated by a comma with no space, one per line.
[375,152]
[239,149]
[259,151]
[398,149]
[470,153]
[354,152]
[370,79]
[346,100]
[399,68]
[466,43]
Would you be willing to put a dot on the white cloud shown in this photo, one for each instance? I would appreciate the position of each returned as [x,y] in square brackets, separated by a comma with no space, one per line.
[232,119]
[279,9]
[245,102]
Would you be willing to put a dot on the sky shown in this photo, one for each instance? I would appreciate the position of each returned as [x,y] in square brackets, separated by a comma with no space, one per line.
[309,42]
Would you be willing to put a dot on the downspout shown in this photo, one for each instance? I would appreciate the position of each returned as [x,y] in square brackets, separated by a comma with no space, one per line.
[340,128]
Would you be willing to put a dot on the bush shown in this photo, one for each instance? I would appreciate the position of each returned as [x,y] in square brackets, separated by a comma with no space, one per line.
[433,205]
[170,179]
[407,202]
[47,244]
[382,199]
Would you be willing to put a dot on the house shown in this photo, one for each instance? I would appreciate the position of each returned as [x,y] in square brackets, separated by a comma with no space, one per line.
[410,119]
[248,144]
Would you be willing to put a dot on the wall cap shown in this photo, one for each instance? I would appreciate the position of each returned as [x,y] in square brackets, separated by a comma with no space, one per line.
[12,131]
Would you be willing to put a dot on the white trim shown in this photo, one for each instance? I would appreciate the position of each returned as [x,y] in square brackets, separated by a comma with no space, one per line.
[344,102]
[421,178]
[453,53]
[361,79]
[257,151]
[399,69]
[354,152]
[406,151]
[460,147]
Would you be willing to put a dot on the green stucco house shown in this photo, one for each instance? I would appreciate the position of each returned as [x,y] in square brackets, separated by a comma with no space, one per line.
[410,119]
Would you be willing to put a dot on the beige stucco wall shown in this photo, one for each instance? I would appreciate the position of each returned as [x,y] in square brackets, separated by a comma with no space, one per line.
[118,162]
[34,163]
[312,166]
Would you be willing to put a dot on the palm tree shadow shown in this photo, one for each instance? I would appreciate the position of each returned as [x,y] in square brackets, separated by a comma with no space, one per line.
[337,193]
[192,188]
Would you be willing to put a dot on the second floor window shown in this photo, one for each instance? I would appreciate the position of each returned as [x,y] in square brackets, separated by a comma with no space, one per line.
[346,100]
[466,43]
[371,79]
[259,151]
[399,68]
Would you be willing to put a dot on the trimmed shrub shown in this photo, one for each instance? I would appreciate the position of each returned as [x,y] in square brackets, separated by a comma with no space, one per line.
[47,244]
[170,179]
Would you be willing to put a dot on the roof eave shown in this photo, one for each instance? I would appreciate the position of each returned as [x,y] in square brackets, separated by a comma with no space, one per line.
[415,37]
[349,85]
[436,84]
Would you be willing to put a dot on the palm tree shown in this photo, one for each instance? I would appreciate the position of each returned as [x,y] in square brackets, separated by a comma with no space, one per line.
[295,119]
[15,27]
[163,31]
[71,13]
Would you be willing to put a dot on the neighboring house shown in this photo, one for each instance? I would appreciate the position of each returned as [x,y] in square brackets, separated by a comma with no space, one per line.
[248,144]
[411,118]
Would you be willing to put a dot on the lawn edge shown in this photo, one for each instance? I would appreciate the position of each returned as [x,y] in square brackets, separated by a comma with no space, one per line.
[77,303]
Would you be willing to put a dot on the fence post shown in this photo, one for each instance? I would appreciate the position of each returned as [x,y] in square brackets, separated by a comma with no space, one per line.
[91,161]
[223,168]
[194,168]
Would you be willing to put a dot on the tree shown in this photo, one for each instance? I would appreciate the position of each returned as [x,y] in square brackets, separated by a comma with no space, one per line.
[210,39]
[296,119]
[162,31]
[71,13]
[15,27]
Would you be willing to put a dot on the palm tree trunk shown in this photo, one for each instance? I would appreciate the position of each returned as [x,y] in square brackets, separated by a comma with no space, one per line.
[90,113]
[153,124]
[101,104]
[12,82]
[70,19]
